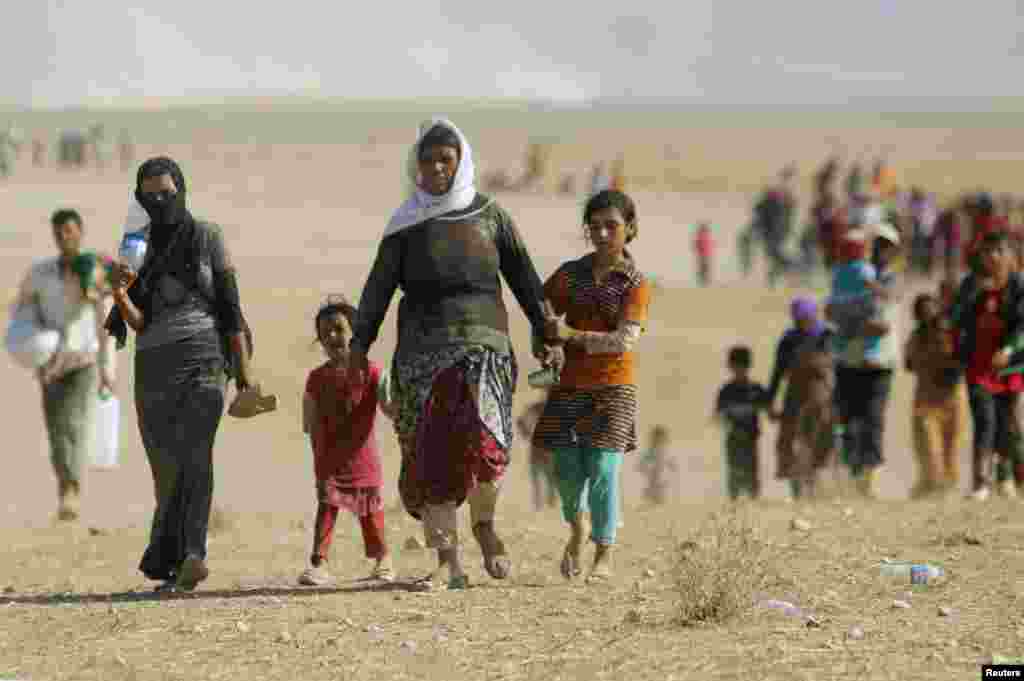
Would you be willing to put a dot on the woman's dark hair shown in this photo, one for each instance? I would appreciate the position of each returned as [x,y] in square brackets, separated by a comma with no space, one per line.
[741,356]
[920,301]
[612,198]
[334,305]
[439,136]
[63,215]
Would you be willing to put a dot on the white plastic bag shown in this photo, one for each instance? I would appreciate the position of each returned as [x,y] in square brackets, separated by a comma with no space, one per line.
[107,434]
[29,343]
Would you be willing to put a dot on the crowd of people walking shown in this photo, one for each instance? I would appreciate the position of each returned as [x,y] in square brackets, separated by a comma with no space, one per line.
[839,358]
[448,388]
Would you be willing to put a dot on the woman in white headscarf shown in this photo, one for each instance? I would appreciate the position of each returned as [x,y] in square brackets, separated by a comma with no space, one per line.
[453,373]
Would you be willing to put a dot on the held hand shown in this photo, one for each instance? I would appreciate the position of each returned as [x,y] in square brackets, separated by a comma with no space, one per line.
[555,328]
[121,278]
[1001,359]
[552,357]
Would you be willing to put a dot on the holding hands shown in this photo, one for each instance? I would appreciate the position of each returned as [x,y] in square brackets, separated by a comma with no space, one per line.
[122,277]
[556,330]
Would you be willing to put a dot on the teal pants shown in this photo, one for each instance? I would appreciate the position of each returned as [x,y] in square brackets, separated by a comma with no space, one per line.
[593,472]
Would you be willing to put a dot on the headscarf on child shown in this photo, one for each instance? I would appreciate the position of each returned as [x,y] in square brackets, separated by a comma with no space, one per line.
[806,308]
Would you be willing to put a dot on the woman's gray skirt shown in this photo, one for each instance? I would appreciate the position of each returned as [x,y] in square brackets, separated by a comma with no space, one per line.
[179,399]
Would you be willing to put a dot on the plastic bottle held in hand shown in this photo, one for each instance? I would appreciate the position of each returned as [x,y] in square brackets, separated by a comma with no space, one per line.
[132,252]
[135,236]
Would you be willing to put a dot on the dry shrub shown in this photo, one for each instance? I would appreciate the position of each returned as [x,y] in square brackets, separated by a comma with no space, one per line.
[720,568]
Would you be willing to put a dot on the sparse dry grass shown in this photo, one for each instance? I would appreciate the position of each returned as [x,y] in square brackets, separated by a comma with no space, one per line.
[720,569]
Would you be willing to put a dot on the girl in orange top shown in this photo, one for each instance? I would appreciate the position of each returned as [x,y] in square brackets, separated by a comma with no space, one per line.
[589,421]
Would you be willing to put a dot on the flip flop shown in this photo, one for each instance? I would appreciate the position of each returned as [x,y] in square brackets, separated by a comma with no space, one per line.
[252,402]
[383,574]
[570,567]
[496,562]
[460,583]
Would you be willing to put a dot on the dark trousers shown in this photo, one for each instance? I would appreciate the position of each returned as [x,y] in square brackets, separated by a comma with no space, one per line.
[742,464]
[996,434]
[861,398]
[778,262]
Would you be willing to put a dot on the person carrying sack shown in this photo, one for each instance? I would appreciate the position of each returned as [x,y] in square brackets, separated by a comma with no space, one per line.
[54,330]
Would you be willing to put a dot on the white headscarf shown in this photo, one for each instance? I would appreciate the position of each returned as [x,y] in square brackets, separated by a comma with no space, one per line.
[420,206]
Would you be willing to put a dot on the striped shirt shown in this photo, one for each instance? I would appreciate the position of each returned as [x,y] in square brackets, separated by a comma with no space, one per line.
[595,403]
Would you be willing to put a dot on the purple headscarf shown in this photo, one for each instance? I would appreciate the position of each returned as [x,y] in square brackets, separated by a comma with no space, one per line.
[805,307]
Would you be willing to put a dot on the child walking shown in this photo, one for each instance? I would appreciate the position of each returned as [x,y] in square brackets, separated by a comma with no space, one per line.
[852,300]
[589,421]
[339,418]
[805,421]
[939,400]
[988,319]
[738,407]
[657,463]
[704,251]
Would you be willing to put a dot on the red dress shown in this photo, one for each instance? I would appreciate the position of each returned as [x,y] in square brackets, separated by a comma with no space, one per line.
[346,459]
[989,337]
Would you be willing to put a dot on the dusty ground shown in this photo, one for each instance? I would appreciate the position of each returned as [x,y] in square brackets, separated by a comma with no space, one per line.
[303,221]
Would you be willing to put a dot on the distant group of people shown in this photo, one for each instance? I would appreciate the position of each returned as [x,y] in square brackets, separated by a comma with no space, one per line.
[603,175]
[932,231]
[74,149]
[838,361]
[447,390]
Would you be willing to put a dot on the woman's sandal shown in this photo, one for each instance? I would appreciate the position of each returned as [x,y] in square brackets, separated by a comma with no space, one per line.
[383,572]
[570,565]
[460,583]
[601,572]
[496,562]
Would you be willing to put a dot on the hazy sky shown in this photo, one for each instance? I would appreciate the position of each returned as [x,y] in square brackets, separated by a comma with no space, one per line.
[67,51]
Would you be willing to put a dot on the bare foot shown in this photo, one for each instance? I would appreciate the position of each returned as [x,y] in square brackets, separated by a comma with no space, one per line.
[570,567]
[602,569]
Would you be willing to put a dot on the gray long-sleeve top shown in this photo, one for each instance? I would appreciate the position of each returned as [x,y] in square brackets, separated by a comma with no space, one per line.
[449,270]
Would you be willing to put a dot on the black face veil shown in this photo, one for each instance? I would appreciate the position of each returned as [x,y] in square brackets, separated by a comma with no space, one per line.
[164,211]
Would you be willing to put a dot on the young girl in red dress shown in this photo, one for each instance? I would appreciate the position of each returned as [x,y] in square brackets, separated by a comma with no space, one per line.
[339,417]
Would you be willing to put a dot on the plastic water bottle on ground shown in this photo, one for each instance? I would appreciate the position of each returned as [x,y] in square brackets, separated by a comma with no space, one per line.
[917,573]
[785,607]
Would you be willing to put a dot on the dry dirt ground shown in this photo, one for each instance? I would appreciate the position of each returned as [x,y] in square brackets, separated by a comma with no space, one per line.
[303,222]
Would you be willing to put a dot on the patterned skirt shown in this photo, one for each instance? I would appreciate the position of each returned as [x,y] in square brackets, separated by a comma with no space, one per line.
[359,501]
[603,417]
[453,421]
